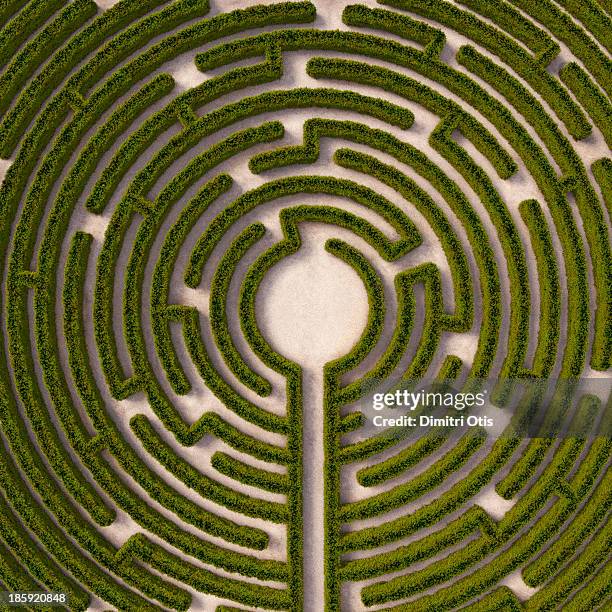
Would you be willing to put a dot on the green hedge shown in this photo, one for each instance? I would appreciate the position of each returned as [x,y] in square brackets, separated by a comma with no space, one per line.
[596,104]
[372,537]
[408,457]
[40,89]
[592,16]
[267,480]
[8,8]
[506,17]
[478,580]
[580,44]
[310,184]
[68,534]
[27,60]
[130,463]
[432,39]
[373,46]
[207,487]
[584,523]
[602,171]
[22,26]
[550,291]
[554,191]
[509,52]
[404,493]
[402,557]
[315,129]
[218,315]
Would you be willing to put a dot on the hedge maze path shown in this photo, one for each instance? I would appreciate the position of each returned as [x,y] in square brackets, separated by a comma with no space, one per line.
[160,158]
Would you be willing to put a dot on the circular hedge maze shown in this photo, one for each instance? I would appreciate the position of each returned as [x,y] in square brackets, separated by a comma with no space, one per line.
[162,161]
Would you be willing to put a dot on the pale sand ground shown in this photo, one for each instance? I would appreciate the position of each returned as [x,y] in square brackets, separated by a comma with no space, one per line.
[312,307]
[106,4]
[325,322]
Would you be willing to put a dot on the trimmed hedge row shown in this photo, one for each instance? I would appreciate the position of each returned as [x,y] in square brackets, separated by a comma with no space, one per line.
[429,276]
[218,314]
[480,579]
[408,491]
[550,290]
[142,244]
[451,500]
[207,487]
[588,204]
[576,573]
[242,442]
[538,447]
[36,51]
[201,33]
[198,34]
[592,16]
[68,517]
[580,44]
[395,465]
[359,72]
[87,40]
[402,557]
[503,15]
[289,220]
[432,39]
[333,402]
[128,460]
[492,39]
[162,314]
[21,27]
[524,468]
[135,37]
[408,457]
[586,521]
[7,10]
[595,593]
[206,581]
[162,530]
[538,167]
[601,345]
[518,332]
[501,599]
[227,465]
[547,182]
[294,397]
[602,171]
[393,352]
[315,129]
[554,192]
[310,184]
[267,421]
[120,120]
[143,376]
[67,514]
[596,104]
[372,46]
[227,115]
[169,597]
[34,559]
[374,289]
[130,561]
